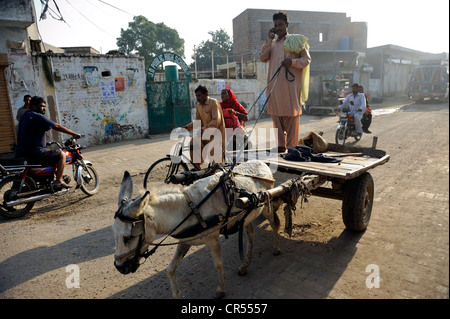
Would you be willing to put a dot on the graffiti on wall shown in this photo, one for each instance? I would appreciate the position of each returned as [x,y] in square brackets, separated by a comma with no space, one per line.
[92,76]
[111,125]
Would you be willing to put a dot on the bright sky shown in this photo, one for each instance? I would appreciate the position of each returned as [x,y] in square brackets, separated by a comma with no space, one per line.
[422,26]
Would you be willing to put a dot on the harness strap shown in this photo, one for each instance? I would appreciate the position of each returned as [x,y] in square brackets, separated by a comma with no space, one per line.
[193,211]
[227,185]
[197,229]
[224,230]
[197,214]
[152,251]
[124,257]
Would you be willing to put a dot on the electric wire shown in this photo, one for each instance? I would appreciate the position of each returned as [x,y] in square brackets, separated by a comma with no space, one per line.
[134,15]
[47,8]
[90,20]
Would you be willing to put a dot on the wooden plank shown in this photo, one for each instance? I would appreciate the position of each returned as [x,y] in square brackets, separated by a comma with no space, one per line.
[353,149]
[349,167]
[311,167]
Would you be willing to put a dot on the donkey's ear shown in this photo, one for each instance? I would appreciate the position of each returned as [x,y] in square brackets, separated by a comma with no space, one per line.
[126,188]
[144,200]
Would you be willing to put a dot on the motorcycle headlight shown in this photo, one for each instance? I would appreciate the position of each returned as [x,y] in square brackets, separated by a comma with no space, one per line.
[68,143]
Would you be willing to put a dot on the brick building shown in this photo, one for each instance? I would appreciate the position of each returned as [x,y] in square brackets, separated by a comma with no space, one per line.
[325,31]
[338,48]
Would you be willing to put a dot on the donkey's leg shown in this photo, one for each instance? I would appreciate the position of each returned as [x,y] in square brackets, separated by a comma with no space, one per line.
[181,251]
[274,221]
[213,245]
[250,234]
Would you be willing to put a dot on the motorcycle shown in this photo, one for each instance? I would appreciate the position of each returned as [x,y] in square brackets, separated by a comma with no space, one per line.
[346,127]
[23,183]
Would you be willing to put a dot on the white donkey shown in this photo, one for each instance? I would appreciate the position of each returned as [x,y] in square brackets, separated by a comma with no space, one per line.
[170,211]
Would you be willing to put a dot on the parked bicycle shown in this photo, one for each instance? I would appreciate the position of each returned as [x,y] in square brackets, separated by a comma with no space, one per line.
[178,168]
[175,163]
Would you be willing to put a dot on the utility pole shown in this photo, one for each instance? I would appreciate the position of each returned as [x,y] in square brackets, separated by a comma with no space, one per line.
[228,69]
[195,63]
[212,61]
[254,63]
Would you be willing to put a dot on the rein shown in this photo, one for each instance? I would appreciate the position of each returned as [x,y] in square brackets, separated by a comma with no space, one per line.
[194,211]
[138,224]
[274,77]
[193,207]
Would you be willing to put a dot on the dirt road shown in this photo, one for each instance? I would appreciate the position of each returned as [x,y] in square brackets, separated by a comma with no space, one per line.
[406,243]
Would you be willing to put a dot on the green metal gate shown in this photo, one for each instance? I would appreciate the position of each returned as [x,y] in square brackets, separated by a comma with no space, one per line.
[168,105]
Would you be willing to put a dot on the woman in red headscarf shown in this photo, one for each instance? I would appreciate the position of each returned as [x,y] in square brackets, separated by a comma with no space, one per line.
[233,111]
[233,114]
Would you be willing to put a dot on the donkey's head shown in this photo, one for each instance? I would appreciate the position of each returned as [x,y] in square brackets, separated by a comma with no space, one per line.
[132,231]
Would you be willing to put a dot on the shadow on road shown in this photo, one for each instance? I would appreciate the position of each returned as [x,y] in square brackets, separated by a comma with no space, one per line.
[24,266]
[305,269]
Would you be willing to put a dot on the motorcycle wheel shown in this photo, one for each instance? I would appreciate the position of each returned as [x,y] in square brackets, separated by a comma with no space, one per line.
[89,180]
[8,187]
[341,135]
[161,170]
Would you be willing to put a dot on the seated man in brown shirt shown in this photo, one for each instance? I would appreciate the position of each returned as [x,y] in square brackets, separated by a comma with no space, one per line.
[209,113]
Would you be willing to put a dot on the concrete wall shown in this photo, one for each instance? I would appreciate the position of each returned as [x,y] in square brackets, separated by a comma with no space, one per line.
[102,97]
[73,85]
[78,100]
[17,13]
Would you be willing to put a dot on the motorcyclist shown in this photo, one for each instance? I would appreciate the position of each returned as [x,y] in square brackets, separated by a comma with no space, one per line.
[357,104]
[367,116]
[31,139]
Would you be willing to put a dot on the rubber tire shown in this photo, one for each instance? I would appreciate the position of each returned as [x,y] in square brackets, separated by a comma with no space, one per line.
[95,180]
[159,171]
[338,134]
[13,212]
[358,202]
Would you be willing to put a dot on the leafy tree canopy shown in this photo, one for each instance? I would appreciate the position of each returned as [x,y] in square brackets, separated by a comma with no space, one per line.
[148,39]
[221,42]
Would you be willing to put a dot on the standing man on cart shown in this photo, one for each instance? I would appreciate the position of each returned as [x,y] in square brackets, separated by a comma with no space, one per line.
[290,87]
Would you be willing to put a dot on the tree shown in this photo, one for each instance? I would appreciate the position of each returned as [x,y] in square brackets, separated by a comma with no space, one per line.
[148,39]
[222,44]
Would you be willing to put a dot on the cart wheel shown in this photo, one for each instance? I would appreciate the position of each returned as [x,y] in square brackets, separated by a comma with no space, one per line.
[357,203]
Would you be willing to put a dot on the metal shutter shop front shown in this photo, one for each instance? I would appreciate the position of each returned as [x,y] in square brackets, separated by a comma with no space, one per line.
[7,127]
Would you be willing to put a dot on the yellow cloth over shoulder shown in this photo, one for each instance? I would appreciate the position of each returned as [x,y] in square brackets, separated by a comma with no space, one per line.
[296,43]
